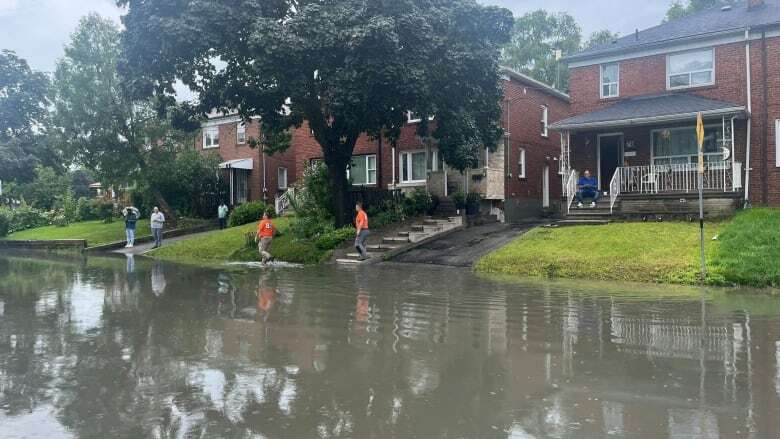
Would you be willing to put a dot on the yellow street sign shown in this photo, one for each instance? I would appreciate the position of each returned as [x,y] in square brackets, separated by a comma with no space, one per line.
[700,140]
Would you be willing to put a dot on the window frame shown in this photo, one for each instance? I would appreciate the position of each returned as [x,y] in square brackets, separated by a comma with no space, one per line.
[545,131]
[690,74]
[241,133]
[692,158]
[777,143]
[368,170]
[521,163]
[206,133]
[410,167]
[279,178]
[616,83]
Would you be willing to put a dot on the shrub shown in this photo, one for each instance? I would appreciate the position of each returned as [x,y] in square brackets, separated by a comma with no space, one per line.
[459,198]
[25,217]
[104,210]
[419,202]
[85,210]
[473,198]
[68,208]
[334,238]
[248,213]
[5,221]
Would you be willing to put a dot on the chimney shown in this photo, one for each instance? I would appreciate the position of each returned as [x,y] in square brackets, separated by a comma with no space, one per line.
[754,4]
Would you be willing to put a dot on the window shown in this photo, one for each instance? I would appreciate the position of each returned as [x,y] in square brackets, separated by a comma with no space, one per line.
[413,117]
[690,69]
[281,180]
[777,143]
[610,80]
[241,133]
[436,164]
[363,170]
[544,121]
[413,167]
[521,163]
[678,145]
[241,185]
[211,137]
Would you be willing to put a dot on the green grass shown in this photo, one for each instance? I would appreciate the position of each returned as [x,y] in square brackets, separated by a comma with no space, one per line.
[95,232]
[666,252]
[749,251]
[221,246]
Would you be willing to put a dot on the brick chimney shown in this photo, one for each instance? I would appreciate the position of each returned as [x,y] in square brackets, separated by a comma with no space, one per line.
[754,4]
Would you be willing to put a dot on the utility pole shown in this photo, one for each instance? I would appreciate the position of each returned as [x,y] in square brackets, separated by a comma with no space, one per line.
[700,140]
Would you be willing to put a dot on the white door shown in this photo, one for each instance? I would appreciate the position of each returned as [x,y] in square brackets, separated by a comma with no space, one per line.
[546,186]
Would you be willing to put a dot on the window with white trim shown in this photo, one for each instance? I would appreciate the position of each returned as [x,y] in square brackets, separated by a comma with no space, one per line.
[281,178]
[211,137]
[413,117]
[777,143]
[413,167]
[690,69]
[610,80]
[241,133]
[544,121]
[678,146]
[362,171]
[521,163]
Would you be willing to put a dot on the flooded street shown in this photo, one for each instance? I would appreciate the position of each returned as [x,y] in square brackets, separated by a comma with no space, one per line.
[115,348]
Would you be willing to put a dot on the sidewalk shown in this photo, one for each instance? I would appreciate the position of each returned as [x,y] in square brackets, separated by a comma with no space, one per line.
[140,249]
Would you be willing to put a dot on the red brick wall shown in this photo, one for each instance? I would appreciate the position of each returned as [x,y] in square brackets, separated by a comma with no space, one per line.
[229,149]
[522,112]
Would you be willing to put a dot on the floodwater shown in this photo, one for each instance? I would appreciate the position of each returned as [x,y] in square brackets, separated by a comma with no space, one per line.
[114,348]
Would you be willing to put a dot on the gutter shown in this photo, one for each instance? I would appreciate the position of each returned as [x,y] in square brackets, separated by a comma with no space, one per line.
[645,120]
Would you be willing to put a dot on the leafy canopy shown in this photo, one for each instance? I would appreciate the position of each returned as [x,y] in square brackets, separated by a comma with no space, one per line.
[678,9]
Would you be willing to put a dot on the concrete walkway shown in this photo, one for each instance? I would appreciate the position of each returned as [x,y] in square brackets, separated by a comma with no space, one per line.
[464,248]
[140,249]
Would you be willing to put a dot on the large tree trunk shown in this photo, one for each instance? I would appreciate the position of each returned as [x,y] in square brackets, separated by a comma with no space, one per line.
[170,217]
[338,187]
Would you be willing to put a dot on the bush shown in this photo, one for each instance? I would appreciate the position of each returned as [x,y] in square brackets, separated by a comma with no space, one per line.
[68,208]
[85,210]
[248,213]
[419,202]
[334,238]
[104,210]
[473,198]
[25,217]
[459,198]
[5,221]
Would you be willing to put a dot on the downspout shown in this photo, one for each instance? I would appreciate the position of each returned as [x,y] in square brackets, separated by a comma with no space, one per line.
[392,152]
[749,117]
[265,186]
[379,162]
[764,122]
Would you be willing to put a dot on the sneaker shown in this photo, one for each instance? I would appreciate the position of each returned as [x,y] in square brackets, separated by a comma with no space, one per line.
[128,245]
[579,205]
[592,204]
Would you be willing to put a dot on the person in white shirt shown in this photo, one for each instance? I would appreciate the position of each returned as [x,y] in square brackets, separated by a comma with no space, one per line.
[158,221]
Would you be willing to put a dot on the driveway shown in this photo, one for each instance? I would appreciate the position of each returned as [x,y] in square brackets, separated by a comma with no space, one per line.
[464,248]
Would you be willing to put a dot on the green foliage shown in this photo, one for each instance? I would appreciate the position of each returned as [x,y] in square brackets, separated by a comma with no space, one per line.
[43,192]
[248,213]
[5,221]
[24,217]
[85,209]
[419,202]
[104,210]
[473,198]
[346,67]
[604,36]
[749,250]
[535,38]
[314,200]
[334,238]
[68,207]
[459,198]
[679,10]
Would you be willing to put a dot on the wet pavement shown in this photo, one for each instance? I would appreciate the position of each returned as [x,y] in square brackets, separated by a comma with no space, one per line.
[134,348]
[465,247]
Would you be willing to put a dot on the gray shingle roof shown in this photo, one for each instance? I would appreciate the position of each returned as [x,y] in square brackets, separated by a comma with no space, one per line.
[699,25]
[642,110]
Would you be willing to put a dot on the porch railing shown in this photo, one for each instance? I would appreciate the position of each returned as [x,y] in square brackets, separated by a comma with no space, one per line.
[678,178]
[283,201]
[614,190]
[570,188]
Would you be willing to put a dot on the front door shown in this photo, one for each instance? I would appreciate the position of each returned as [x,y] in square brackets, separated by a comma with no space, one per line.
[546,186]
[610,157]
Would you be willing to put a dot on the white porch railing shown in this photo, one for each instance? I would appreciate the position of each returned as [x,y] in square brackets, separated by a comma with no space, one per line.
[614,190]
[570,188]
[283,201]
[679,178]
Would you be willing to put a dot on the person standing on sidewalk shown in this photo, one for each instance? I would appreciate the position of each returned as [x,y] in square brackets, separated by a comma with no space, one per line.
[361,231]
[158,221]
[222,213]
[264,237]
[131,218]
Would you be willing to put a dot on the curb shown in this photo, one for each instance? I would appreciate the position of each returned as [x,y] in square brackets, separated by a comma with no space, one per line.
[149,238]
[51,244]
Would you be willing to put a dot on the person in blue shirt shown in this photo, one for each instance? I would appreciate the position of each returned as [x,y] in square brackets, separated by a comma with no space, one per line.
[587,187]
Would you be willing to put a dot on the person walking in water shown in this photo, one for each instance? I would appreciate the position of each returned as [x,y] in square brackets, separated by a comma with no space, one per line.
[158,221]
[264,237]
[222,213]
[361,231]
[131,218]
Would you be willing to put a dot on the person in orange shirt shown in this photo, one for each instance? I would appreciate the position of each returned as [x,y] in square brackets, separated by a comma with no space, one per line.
[361,231]
[264,237]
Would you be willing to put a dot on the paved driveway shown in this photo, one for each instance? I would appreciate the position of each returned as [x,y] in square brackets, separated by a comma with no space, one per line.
[465,247]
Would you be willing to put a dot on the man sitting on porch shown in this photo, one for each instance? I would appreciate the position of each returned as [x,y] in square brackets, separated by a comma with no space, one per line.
[587,188]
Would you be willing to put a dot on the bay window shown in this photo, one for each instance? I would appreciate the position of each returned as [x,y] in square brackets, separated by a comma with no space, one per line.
[690,69]
[413,167]
[362,171]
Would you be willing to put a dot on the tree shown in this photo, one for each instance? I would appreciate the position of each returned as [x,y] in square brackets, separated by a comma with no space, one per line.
[679,10]
[23,113]
[536,37]
[98,125]
[346,67]
[604,36]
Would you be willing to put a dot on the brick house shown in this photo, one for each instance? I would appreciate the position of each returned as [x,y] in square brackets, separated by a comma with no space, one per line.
[515,181]
[634,104]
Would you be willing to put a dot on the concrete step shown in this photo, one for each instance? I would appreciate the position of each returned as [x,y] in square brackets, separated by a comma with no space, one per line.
[582,222]
[381,247]
[357,255]
[588,212]
[349,261]
[404,233]
[396,239]
[419,236]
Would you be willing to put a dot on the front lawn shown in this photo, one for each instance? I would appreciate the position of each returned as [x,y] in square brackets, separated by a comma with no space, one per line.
[749,250]
[95,232]
[226,245]
[637,252]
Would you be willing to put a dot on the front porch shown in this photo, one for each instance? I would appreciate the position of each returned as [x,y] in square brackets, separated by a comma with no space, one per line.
[643,154]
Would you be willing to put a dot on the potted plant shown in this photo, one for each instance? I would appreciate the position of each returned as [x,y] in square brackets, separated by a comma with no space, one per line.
[472,203]
[459,199]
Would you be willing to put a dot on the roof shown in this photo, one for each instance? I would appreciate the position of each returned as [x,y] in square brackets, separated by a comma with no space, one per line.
[643,110]
[701,25]
[520,77]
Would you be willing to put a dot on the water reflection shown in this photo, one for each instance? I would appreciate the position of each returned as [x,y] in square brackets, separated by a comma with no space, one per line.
[133,348]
